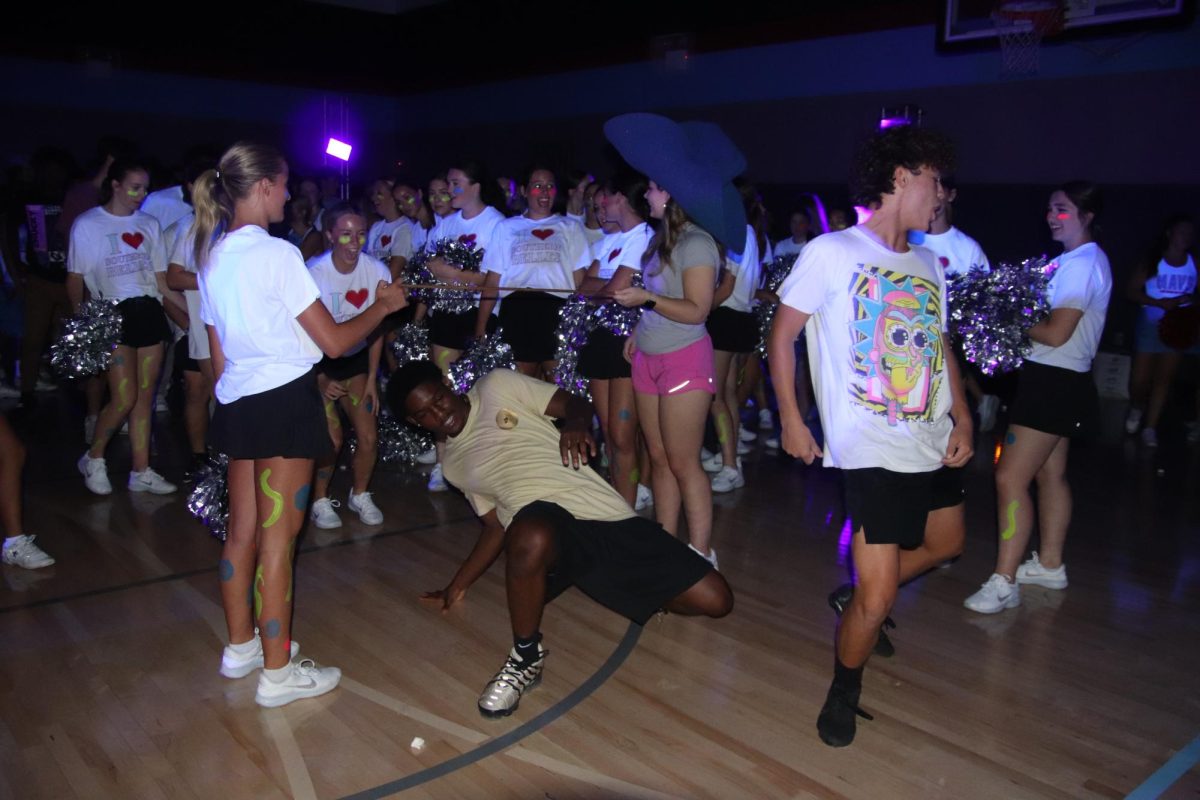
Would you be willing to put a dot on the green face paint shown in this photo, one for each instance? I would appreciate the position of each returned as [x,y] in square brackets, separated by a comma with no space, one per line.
[345,239]
[276,498]
[258,581]
[146,371]
[722,428]
[1010,531]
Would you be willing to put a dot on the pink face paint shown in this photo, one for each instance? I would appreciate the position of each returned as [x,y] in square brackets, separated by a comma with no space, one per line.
[1062,216]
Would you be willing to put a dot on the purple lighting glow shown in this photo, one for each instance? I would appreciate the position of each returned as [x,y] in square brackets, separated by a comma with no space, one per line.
[338,149]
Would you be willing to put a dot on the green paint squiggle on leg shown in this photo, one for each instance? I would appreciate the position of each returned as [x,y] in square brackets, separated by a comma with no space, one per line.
[123,391]
[722,428]
[1010,531]
[258,581]
[146,371]
[634,475]
[276,498]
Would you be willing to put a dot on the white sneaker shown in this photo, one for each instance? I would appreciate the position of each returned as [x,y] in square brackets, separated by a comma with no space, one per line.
[437,481]
[645,498]
[743,448]
[1149,437]
[150,481]
[989,405]
[20,551]
[9,392]
[772,443]
[428,457]
[234,665]
[729,478]
[995,596]
[95,474]
[765,422]
[710,558]
[89,429]
[304,679]
[1133,421]
[367,511]
[1033,572]
[44,385]
[746,435]
[712,462]
[323,514]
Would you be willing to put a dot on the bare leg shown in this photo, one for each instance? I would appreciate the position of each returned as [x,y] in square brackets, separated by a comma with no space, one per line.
[708,597]
[12,461]
[1165,365]
[365,431]
[149,364]
[667,498]
[622,438]
[723,420]
[1025,451]
[1139,380]
[198,392]
[530,550]
[325,465]
[1054,505]
[281,497]
[878,568]
[122,383]
[238,556]
[681,421]
[945,530]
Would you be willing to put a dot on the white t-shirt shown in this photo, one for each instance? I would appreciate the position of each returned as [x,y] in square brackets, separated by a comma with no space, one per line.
[418,234]
[877,349]
[387,240]
[768,253]
[251,291]
[1169,281]
[747,274]
[537,253]
[955,251]
[623,249]
[476,231]
[592,235]
[181,250]
[786,247]
[117,256]
[347,295]
[166,205]
[1082,280]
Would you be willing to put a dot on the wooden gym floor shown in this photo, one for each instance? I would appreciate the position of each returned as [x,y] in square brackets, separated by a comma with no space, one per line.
[109,684]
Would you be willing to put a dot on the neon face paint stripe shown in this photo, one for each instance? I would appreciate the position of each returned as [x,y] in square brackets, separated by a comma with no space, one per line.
[276,498]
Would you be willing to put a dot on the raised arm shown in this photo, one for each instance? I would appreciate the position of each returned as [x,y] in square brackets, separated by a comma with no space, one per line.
[485,552]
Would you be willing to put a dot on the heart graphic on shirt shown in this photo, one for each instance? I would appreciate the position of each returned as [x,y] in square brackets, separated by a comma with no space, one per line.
[468,239]
[945,261]
[543,233]
[385,241]
[357,297]
[614,254]
[134,240]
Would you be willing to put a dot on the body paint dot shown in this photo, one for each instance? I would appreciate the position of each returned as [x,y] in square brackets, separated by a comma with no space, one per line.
[302,496]
[275,497]
[624,415]
[272,628]
[370,404]
[1012,437]
[225,570]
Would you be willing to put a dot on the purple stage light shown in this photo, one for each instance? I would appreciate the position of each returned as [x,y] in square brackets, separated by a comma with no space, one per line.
[338,149]
[899,116]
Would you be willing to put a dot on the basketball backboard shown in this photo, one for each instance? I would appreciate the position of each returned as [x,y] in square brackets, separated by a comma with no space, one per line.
[964,22]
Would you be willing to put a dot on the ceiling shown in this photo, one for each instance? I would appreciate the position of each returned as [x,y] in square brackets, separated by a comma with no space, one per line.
[406,46]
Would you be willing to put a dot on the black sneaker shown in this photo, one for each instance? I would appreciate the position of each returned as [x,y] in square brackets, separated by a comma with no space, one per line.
[837,722]
[839,598]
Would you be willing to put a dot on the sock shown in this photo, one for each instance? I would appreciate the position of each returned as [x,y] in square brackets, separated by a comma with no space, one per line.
[11,540]
[527,649]
[846,677]
[245,648]
[278,675]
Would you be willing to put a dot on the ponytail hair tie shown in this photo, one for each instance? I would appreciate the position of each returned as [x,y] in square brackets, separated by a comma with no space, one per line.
[218,173]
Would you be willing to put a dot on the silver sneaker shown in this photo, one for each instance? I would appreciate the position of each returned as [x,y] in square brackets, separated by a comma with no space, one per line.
[501,696]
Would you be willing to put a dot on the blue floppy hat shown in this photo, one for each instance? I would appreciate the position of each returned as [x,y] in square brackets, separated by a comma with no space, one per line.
[694,161]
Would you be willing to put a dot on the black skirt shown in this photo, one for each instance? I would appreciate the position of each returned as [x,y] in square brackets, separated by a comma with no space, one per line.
[285,422]
[455,331]
[528,321]
[732,331]
[1056,400]
[603,357]
[143,322]
[340,369]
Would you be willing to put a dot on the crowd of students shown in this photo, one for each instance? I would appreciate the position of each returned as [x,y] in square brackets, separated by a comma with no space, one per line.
[275,296]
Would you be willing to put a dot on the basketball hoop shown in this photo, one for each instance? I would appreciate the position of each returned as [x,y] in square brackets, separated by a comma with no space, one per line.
[1021,26]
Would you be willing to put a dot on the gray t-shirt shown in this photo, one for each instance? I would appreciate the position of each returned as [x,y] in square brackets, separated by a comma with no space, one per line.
[655,333]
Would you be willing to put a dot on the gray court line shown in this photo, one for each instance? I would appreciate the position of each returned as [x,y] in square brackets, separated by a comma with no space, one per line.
[493,746]
[49,601]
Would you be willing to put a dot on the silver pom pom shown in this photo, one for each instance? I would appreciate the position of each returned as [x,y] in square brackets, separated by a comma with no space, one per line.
[88,340]
[764,313]
[465,257]
[991,311]
[480,358]
[209,499]
[574,326]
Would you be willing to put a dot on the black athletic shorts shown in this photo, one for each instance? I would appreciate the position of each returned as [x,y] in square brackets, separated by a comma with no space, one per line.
[732,331]
[631,566]
[285,422]
[528,321]
[892,507]
[603,357]
[339,369]
[143,322]
[1056,401]
[455,331]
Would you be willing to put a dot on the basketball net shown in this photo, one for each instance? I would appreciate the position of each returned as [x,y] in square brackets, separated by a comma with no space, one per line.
[1021,26]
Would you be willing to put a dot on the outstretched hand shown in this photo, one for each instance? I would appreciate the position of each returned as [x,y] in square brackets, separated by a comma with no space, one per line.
[447,598]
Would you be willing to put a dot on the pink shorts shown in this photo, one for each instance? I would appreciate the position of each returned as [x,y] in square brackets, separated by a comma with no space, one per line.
[685,370]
